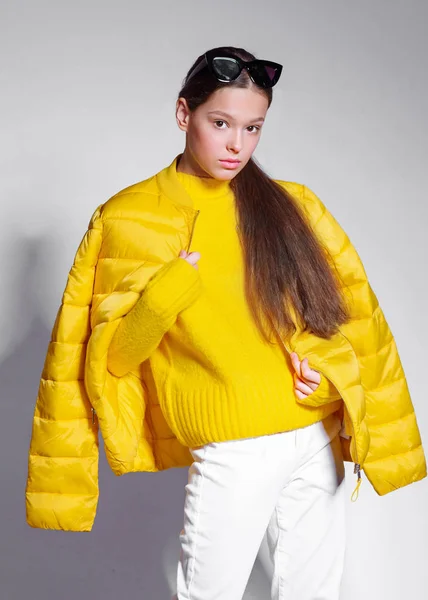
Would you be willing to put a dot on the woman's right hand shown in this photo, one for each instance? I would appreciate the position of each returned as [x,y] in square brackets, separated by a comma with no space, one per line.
[191,257]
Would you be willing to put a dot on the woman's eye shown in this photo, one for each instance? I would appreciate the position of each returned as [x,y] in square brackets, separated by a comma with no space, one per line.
[224,122]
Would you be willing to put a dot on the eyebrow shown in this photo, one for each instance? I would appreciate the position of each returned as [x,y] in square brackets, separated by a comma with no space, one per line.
[224,114]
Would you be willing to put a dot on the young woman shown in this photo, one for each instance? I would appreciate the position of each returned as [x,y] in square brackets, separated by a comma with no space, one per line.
[219,319]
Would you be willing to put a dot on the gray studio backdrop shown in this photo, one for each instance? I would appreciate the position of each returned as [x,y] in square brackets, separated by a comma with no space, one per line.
[87,107]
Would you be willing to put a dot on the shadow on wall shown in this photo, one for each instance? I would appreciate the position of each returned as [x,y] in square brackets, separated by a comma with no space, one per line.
[133,548]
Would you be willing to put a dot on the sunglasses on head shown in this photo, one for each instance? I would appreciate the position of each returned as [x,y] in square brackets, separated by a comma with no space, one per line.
[226,67]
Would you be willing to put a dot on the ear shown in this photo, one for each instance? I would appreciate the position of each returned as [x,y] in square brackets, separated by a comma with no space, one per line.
[182,114]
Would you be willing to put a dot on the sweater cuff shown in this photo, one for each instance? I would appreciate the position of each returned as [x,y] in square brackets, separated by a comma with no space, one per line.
[173,288]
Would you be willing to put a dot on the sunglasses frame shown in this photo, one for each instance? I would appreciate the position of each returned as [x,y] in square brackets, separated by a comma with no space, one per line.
[210,55]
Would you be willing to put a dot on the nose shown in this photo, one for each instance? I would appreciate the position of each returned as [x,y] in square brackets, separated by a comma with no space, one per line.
[234,143]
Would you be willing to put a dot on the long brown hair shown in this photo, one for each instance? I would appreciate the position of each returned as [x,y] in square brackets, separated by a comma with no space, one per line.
[286,268]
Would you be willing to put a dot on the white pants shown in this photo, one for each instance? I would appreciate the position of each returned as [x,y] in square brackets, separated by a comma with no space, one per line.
[289,485]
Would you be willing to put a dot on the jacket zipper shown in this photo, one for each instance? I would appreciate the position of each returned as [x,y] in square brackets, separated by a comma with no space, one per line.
[191,233]
[357,465]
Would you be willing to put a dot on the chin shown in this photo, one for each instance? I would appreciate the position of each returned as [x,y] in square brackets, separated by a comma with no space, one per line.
[225,174]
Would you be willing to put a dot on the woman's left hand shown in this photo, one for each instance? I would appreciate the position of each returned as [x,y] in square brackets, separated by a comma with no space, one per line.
[306,380]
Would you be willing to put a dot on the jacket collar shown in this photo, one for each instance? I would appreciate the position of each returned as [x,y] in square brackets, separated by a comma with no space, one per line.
[171,187]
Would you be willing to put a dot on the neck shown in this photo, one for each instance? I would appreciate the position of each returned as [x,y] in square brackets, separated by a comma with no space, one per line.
[199,186]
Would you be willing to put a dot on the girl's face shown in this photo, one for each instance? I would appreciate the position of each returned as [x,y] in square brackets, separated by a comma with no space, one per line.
[227,126]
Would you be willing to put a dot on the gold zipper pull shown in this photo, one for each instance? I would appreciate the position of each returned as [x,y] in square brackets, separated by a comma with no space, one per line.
[357,469]
[93,415]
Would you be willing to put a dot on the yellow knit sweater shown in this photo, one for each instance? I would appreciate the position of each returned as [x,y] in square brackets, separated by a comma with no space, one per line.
[221,380]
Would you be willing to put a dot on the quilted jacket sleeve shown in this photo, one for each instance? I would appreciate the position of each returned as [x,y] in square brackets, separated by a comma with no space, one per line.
[173,287]
[62,483]
[395,442]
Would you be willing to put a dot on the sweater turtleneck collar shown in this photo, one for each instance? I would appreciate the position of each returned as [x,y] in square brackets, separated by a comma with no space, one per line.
[206,189]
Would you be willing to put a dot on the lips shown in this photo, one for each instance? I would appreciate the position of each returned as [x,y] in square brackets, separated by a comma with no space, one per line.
[231,164]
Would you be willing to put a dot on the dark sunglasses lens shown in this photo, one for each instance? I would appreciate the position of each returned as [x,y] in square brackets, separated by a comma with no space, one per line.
[265,75]
[226,68]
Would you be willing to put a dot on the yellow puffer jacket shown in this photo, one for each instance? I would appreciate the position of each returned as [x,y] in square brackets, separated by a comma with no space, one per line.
[78,395]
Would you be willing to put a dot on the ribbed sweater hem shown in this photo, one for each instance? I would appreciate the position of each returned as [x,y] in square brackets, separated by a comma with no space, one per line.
[221,412]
